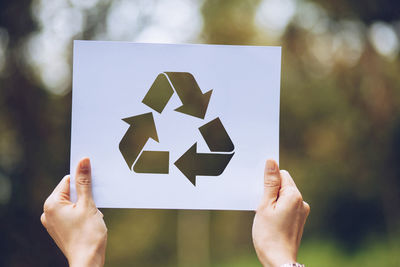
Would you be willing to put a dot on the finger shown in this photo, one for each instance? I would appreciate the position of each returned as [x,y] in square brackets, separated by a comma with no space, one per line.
[60,194]
[43,220]
[102,215]
[306,208]
[64,193]
[272,181]
[289,193]
[287,179]
[63,186]
[83,180]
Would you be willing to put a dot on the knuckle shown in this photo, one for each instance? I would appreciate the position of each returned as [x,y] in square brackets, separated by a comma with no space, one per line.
[307,208]
[103,226]
[102,232]
[272,181]
[43,220]
[49,206]
[83,180]
[295,195]
[64,195]
[105,233]
[298,199]
[285,172]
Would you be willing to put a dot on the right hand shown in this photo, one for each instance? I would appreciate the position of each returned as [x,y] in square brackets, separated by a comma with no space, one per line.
[280,218]
[77,228]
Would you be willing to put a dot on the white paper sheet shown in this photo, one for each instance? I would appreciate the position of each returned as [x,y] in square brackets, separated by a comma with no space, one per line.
[110,81]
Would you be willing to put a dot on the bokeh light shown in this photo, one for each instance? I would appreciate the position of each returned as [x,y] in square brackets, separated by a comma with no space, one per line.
[384,39]
[339,125]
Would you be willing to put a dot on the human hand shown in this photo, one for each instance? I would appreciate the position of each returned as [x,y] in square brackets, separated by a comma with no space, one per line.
[280,218]
[77,228]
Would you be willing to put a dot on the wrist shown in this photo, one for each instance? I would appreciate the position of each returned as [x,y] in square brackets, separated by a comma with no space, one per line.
[277,260]
[86,259]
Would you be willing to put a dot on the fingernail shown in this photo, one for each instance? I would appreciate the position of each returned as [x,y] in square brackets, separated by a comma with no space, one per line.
[84,166]
[271,166]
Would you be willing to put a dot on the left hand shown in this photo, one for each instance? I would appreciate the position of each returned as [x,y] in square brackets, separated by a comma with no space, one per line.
[77,228]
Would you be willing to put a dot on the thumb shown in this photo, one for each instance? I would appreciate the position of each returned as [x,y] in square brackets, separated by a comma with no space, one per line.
[272,181]
[83,180]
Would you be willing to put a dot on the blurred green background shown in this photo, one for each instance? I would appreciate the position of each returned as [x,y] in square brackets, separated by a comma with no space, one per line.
[340,125]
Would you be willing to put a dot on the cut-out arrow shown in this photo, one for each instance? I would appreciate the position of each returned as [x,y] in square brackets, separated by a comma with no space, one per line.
[152,162]
[142,127]
[216,136]
[159,93]
[194,102]
[192,163]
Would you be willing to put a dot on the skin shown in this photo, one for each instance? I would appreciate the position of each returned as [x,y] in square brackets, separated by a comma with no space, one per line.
[77,228]
[280,218]
[80,232]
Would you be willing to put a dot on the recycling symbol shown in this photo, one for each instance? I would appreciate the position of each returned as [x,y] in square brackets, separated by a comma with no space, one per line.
[194,103]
